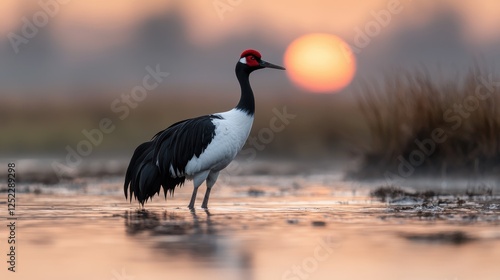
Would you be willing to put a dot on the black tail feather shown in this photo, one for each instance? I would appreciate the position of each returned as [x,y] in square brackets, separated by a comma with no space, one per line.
[169,151]
[144,179]
[137,158]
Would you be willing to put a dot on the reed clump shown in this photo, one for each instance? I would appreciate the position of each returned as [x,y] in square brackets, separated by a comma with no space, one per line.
[419,126]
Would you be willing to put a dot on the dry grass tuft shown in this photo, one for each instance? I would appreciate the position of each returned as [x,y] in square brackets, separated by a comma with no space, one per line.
[411,108]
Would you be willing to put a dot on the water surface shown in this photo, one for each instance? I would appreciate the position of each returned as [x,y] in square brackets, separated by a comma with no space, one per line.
[258,227]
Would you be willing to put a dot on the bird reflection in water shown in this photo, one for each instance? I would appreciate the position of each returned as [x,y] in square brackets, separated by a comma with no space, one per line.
[164,223]
[190,234]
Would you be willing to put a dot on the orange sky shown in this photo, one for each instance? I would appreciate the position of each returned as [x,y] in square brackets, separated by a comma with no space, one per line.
[108,42]
[209,21]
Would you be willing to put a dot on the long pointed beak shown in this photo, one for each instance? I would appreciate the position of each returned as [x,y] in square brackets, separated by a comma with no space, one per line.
[266,64]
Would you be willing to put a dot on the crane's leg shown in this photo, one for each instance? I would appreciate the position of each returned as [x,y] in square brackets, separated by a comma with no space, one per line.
[211,179]
[197,181]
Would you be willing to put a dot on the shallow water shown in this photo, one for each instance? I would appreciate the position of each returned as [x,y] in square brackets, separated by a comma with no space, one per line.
[258,227]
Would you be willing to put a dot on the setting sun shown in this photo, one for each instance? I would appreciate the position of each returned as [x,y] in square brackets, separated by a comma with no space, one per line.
[320,63]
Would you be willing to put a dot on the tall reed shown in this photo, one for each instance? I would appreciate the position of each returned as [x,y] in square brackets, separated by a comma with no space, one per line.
[411,106]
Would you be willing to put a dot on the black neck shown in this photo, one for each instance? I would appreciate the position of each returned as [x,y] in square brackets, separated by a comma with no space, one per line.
[247,103]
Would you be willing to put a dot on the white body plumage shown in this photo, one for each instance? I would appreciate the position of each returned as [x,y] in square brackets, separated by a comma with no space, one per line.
[231,133]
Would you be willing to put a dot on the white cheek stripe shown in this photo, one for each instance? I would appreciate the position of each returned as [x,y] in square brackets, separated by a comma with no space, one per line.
[243,60]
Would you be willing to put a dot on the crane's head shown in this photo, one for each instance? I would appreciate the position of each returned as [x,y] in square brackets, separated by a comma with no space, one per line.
[252,60]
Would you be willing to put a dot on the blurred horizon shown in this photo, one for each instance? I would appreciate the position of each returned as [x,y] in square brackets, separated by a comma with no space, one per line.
[65,63]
